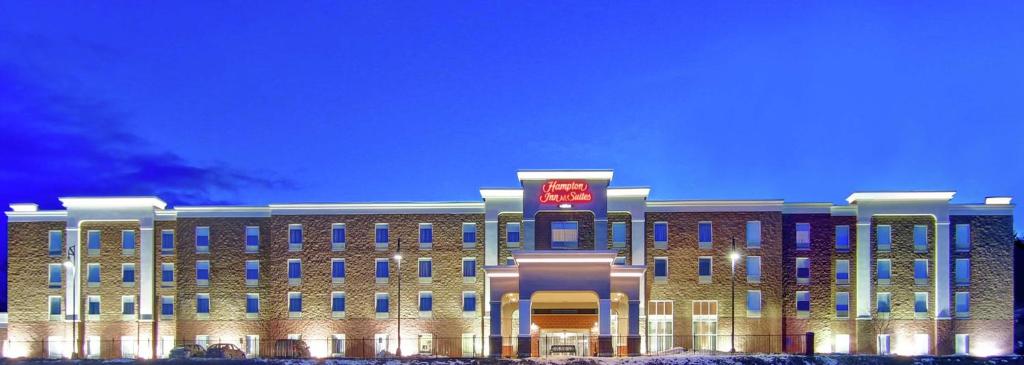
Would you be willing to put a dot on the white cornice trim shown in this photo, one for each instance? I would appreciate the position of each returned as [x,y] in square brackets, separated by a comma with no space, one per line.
[526,175]
[981,209]
[626,192]
[221,212]
[714,206]
[844,211]
[900,196]
[806,208]
[113,202]
[380,208]
[998,200]
[38,216]
[501,193]
[24,207]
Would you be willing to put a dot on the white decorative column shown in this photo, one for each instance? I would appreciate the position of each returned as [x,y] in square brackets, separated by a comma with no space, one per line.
[636,242]
[942,268]
[491,241]
[864,267]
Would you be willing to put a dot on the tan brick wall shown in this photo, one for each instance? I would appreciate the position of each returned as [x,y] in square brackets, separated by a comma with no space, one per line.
[990,325]
[28,257]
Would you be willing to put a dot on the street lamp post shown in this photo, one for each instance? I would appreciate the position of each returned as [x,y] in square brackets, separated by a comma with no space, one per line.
[733,256]
[398,261]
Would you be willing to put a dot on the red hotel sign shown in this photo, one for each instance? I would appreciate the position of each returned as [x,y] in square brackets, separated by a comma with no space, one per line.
[565,191]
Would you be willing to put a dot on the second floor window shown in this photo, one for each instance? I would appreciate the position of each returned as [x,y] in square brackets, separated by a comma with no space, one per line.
[468,269]
[203,273]
[753,303]
[93,274]
[55,275]
[704,270]
[564,235]
[753,269]
[426,270]
[920,305]
[962,269]
[803,303]
[294,302]
[337,270]
[202,303]
[468,301]
[252,272]
[294,271]
[660,268]
[512,234]
[884,271]
[128,274]
[252,303]
[167,273]
[619,234]
[842,272]
[803,236]
[382,270]
[381,303]
[843,305]
[803,270]
[884,304]
[962,304]
[337,302]
[921,272]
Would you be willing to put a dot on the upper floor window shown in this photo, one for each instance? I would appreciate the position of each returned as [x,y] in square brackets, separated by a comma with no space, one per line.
[618,234]
[203,273]
[252,239]
[128,305]
[167,274]
[55,275]
[660,234]
[884,304]
[843,305]
[202,239]
[56,242]
[381,271]
[93,306]
[512,234]
[842,272]
[704,235]
[128,274]
[921,305]
[884,271]
[469,235]
[753,269]
[337,271]
[920,238]
[294,237]
[803,270]
[426,270]
[128,242]
[883,233]
[963,237]
[564,235]
[252,303]
[843,238]
[338,242]
[468,270]
[753,303]
[660,268]
[203,304]
[381,303]
[962,304]
[753,234]
[803,304]
[380,235]
[294,272]
[803,236]
[167,307]
[252,272]
[93,274]
[921,272]
[94,242]
[167,242]
[704,269]
[426,301]
[468,301]
[426,235]
[963,271]
[294,304]
[337,303]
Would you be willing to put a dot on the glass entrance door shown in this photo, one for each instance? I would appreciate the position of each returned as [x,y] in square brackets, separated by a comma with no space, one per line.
[705,325]
[564,343]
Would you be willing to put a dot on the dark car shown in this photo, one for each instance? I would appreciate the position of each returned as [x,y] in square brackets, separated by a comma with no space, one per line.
[224,351]
[187,351]
[291,349]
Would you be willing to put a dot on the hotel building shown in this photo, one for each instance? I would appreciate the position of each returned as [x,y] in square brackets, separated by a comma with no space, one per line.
[563,260]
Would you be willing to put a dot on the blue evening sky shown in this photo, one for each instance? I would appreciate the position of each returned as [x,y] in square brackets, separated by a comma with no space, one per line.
[252,102]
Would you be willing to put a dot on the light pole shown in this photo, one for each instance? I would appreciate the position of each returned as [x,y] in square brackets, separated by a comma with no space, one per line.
[398,260]
[74,295]
[733,256]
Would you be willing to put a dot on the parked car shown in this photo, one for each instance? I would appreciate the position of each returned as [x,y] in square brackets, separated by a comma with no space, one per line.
[291,349]
[224,351]
[187,351]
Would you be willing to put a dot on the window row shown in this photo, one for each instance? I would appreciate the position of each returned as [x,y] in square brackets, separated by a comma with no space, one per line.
[296,237]
[704,234]
[704,269]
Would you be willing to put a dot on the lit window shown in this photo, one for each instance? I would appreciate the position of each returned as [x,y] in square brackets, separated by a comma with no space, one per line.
[338,345]
[381,305]
[963,272]
[884,345]
[426,302]
[660,268]
[167,242]
[753,269]
[93,309]
[426,235]
[294,304]
[252,239]
[128,274]
[252,304]
[753,303]
[338,242]
[843,238]
[842,272]
[128,242]
[922,344]
[127,305]
[252,272]
[338,304]
[920,238]
[962,344]
[660,235]
[56,242]
[618,234]
[94,242]
[704,235]
[55,275]
[660,318]
[884,305]
[381,271]
[803,304]
[202,239]
[803,236]
[921,272]
[426,270]
[380,235]
[167,274]
[93,274]
[704,269]
[884,271]
[468,301]
[842,344]
[883,235]
[564,235]
[920,305]
[842,305]
[337,271]
[803,270]
[203,305]
[167,307]
[753,234]
[294,272]
[294,237]
[962,304]
[468,235]
[468,270]
[203,273]
[963,237]
[512,234]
